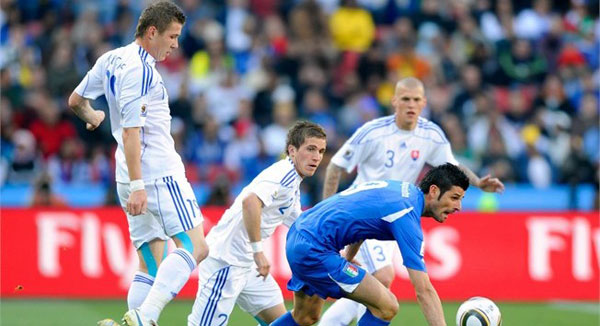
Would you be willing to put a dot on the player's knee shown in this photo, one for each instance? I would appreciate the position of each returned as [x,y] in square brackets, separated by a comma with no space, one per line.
[308,318]
[385,276]
[197,246]
[200,251]
[389,310]
[386,279]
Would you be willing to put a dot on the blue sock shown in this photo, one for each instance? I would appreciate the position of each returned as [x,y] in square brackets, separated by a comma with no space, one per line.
[285,320]
[369,320]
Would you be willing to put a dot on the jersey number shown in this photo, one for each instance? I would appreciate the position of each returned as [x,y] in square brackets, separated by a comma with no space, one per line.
[379,251]
[390,156]
[111,82]
[364,186]
[282,209]
[224,316]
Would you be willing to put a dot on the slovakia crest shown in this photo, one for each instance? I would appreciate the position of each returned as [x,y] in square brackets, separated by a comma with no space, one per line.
[414,154]
[348,154]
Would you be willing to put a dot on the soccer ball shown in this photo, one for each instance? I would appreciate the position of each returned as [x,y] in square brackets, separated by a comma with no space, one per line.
[478,311]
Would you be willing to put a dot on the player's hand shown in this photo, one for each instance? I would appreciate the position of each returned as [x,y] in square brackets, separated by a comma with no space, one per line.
[490,184]
[137,203]
[99,115]
[262,264]
[353,261]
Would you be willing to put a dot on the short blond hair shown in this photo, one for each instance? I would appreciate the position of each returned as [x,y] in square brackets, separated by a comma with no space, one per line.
[410,83]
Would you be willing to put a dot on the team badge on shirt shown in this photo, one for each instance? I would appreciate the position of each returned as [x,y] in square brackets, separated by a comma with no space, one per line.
[348,154]
[144,112]
[414,154]
[350,270]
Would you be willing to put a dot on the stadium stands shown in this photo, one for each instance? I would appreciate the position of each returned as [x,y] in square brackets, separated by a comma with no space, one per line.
[515,85]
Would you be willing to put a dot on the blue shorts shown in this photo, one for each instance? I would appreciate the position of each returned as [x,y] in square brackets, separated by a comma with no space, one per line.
[319,270]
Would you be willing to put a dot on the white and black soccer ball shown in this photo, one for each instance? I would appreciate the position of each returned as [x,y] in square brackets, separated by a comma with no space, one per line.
[478,311]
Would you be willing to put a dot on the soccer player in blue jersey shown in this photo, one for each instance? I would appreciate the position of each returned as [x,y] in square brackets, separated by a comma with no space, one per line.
[384,210]
[394,147]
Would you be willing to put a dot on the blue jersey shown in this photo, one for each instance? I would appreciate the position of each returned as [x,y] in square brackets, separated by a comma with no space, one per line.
[382,210]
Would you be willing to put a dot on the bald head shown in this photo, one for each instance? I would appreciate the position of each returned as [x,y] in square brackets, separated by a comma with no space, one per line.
[409,83]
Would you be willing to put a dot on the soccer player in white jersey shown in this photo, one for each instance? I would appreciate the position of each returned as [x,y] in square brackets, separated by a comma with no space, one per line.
[228,275]
[392,147]
[151,183]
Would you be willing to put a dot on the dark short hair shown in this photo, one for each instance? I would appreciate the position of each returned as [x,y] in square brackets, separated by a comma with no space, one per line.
[159,14]
[444,177]
[300,131]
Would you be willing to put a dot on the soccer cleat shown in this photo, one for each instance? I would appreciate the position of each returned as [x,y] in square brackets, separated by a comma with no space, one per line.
[108,322]
[135,318]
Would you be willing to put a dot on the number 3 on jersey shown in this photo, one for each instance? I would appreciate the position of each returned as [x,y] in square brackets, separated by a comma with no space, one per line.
[390,158]
[380,254]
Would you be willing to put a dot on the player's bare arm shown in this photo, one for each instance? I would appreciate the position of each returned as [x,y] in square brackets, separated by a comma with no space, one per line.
[332,180]
[486,183]
[137,202]
[251,210]
[428,298]
[82,108]
[352,249]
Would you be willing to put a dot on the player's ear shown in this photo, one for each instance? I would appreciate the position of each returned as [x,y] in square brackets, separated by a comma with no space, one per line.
[292,150]
[434,191]
[151,32]
[394,101]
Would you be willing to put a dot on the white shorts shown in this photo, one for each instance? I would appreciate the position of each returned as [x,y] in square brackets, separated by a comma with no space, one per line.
[221,286]
[373,255]
[172,208]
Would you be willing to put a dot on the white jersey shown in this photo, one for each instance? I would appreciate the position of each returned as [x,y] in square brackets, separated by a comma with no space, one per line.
[278,187]
[136,97]
[383,151]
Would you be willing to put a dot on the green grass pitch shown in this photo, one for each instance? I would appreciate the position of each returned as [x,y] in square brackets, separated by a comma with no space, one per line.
[15,312]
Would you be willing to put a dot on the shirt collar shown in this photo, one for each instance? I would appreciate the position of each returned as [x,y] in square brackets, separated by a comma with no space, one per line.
[296,175]
[404,131]
[146,57]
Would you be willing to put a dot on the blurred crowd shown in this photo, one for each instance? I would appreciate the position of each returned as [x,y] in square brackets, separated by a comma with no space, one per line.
[514,84]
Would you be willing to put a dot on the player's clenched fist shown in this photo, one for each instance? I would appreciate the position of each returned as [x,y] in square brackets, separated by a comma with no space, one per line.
[262,264]
[137,203]
[99,114]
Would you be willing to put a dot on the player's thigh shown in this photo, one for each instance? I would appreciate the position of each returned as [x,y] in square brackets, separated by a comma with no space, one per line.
[219,285]
[262,298]
[374,255]
[385,275]
[374,295]
[143,228]
[175,204]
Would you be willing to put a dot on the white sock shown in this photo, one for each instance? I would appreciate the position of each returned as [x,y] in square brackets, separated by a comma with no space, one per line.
[340,313]
[360,311]
[138,290]
[172,275]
